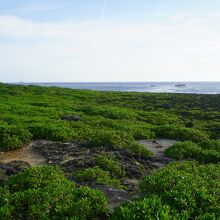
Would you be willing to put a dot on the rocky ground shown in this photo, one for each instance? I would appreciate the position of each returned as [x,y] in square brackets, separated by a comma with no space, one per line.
[158,146]
[73,156]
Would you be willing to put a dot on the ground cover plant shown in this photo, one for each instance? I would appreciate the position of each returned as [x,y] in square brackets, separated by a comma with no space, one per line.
[115,119]
[96,175]
[207,152]
[111,164]
[179,191]
[44,193]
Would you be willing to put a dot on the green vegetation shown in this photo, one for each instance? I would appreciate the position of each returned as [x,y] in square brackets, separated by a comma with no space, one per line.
[208,152]
[148,208]
[179,191]
[13,137]
[98,176]
[112,119]
[111,164]
[44,193]
[181,133]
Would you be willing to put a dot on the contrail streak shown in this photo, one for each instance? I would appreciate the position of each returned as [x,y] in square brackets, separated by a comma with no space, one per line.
[103,10]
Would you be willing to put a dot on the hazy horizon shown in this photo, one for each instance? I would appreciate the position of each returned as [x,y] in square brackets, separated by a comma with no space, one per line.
[113,82]
[110,41]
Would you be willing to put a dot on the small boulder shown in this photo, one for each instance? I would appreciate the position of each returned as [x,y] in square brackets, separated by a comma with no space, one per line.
[71,117]
[116,197]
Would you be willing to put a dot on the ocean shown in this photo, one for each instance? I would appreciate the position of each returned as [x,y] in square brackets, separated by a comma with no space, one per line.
[155,87]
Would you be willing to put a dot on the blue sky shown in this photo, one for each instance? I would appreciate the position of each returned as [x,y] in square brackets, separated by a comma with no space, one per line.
[109,40]
[124,10]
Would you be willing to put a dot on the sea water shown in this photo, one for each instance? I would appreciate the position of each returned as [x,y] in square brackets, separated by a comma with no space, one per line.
[158,87]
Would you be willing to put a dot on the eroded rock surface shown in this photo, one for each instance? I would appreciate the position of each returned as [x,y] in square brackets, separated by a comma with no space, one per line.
[11,168]
[73,156]
[115,197]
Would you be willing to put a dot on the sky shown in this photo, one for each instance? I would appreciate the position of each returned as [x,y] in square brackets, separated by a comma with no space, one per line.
[109,40]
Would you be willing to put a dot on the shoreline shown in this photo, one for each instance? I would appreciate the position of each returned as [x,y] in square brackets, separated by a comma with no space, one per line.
[207,88]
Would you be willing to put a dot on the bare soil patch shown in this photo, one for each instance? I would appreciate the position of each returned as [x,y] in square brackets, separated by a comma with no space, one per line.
[26,154]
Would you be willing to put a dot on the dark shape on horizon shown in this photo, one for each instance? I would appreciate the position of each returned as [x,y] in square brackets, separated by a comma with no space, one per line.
[180,85]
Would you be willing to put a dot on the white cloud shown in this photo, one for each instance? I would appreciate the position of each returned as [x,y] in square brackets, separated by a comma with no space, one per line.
[184,48]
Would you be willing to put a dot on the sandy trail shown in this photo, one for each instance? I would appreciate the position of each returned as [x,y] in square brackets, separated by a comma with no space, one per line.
[25,154]
[158,147]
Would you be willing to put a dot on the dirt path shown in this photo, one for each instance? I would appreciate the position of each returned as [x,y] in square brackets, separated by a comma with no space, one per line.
[25,154]
[158,147]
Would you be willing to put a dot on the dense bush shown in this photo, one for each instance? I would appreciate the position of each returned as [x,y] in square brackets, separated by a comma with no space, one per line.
[211,144]
[186,187]
[189,150]
[180,133]
[13,137]
[109,112]
[109,138]
[98,176]
[44,193]
[147,208]
[139,150]
[51,131]
[141,132]
[160,118]
[179,191]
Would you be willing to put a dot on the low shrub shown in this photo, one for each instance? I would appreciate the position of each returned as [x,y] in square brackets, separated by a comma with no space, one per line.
[142,132]
[186,187]
[209,156]
[110,138]
[180,133]
[98,176]
[139,150]
[111,164]
[160,118]
[51,131]
[182,150]
[211,144]
[44,193]
[189,150]
[109,112]
[147,208]
[35,178]
[13,137]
